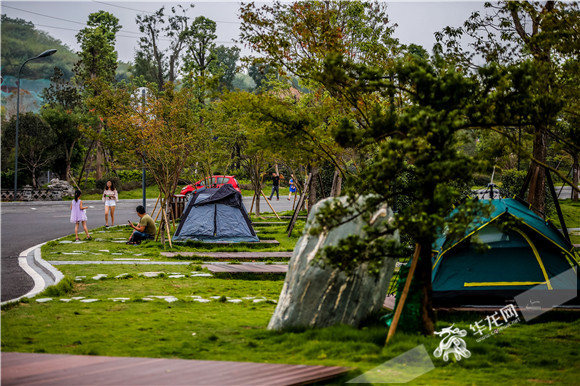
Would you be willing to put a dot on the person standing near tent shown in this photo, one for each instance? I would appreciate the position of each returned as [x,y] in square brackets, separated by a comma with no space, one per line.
[144,230]
[292,186]
[110,198]
[275,186]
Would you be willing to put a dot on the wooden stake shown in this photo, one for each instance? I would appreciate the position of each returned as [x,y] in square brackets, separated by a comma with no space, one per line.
[155,206]
[167,229]
[300,203]
[268,202]
[253,199]
[401,304]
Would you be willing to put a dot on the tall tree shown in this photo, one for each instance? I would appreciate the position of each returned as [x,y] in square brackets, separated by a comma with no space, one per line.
[225,66]
[155,63]
[97,64]
[546,35]
[161,132]
[64,112]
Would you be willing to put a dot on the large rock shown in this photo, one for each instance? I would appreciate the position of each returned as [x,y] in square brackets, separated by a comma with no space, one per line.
[63,186]
[319,296]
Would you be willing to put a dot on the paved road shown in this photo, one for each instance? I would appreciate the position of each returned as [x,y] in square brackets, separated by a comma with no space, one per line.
[564,193]
[24,225]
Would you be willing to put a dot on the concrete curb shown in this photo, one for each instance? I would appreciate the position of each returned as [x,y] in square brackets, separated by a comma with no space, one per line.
[32,263]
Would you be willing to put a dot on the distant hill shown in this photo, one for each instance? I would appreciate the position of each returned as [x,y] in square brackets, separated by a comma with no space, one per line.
[20,41]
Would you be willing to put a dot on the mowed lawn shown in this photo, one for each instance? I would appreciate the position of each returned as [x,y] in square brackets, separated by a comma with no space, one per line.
[178,312]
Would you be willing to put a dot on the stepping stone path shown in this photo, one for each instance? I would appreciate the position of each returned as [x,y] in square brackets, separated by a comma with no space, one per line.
[150,274]
[168,299]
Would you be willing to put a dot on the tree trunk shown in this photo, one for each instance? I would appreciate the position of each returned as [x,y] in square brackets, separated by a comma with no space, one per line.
[423,278]
[575,177]
[312,188]
[537,191]
[99,162]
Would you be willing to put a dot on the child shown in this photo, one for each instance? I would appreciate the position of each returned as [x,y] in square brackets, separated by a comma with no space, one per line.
[78,214]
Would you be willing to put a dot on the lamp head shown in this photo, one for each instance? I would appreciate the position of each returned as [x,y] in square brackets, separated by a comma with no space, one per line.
[46,53]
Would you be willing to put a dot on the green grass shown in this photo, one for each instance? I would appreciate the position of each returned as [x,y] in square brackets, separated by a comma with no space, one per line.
[571,213]
[543,351]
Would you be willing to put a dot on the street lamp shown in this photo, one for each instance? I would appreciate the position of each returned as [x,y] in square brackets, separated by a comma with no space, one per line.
[43,55]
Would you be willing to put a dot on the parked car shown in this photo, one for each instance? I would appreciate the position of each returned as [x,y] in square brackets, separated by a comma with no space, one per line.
[212,182]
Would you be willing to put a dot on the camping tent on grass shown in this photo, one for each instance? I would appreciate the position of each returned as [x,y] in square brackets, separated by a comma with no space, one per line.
[527,255]
[216,215]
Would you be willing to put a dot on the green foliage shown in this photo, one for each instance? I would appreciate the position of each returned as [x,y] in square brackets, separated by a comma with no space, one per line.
[98,58]
[225,66]
[152,62]
[512,181]
[21,41]
[63,288]
[37,142]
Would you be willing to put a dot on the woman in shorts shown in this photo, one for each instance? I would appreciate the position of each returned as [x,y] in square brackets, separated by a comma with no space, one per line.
[110,198]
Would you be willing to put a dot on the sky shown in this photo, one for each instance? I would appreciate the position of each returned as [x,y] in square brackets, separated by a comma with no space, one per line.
[417,21]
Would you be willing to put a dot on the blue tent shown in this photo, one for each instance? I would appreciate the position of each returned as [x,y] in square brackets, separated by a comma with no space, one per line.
[530,253]
[216,215]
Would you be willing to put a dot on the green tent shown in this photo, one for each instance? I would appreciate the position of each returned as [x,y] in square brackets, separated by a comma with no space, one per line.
[529,255]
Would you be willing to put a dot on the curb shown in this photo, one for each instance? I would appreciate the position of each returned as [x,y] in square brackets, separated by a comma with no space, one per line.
[40,284]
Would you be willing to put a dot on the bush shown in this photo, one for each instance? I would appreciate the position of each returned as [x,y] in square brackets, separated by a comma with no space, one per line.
[481,179]
[512,180]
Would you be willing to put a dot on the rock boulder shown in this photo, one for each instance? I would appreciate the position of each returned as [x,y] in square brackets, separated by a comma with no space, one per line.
[315,295]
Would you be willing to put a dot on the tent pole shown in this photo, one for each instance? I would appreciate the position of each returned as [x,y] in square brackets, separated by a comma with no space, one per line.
[401,304]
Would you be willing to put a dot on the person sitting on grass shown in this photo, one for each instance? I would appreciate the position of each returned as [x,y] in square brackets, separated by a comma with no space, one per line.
[144,230]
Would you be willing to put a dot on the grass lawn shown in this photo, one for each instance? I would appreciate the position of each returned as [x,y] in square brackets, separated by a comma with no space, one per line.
[144,325]
[152,192]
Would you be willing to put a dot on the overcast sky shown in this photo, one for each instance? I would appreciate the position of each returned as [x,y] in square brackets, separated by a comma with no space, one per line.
[417,21]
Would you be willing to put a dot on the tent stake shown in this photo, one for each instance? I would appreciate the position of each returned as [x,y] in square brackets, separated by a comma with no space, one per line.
[401,304]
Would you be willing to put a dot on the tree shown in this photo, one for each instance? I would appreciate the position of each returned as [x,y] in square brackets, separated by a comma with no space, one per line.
[64,112]
[545,36]
[96,67]
[157,64]
[225,66]
[97,58]
[200,46]
[36,142]
[161,133]
[297,37]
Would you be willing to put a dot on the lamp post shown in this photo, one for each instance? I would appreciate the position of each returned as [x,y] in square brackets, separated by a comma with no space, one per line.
[43,55]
